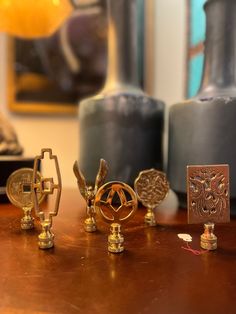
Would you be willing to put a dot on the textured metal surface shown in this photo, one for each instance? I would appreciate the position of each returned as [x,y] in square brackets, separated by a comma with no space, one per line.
[208,193]
[151,187]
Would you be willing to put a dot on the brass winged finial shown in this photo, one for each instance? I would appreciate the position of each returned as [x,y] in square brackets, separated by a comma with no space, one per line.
[89,192]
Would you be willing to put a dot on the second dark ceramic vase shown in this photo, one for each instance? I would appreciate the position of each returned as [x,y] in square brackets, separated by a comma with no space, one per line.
[121,124]
[203,130]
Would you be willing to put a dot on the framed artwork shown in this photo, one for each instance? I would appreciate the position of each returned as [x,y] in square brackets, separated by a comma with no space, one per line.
[51,75]
[195,54]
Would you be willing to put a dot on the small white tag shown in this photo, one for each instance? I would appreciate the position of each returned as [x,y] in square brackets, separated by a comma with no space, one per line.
[186,237]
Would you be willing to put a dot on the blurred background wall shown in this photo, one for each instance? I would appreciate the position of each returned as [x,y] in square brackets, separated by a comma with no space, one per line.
[165,75]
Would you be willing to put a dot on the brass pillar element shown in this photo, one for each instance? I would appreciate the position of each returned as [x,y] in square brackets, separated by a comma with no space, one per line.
[208,239]
[116,202]
[46,186]
[89,192]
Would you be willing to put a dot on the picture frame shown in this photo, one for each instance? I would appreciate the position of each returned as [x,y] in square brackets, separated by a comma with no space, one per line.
[52,75]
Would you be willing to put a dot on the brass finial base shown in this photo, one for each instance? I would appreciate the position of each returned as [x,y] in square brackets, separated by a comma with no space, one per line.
[208,239]
[115,239]
[90,224]
[150,219]
[46,237]
[27,223]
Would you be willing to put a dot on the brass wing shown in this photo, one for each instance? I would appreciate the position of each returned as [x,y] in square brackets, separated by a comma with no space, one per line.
[80,180]
[101,175]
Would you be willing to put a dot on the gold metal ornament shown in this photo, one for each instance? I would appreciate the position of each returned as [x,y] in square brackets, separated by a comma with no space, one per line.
[117,203]
[151,187]
[20,193]
[89,192]
[208,199]
[46,186]
[208,239]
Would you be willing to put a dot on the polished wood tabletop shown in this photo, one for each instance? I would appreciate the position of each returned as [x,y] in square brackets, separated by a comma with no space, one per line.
[153,275]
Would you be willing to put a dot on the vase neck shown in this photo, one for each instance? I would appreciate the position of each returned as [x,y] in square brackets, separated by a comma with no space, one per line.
[122,72]
[219,74]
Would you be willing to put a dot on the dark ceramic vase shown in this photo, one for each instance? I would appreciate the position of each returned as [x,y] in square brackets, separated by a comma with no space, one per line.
[203,130]
[121,124]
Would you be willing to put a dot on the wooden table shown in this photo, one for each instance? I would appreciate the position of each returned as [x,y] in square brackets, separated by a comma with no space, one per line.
[153,275]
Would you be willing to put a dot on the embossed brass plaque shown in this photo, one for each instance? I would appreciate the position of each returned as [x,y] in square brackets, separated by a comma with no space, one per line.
[151,187]
[208,193]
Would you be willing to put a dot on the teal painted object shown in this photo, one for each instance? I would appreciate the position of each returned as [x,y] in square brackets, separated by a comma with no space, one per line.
[197,29]
[197,22]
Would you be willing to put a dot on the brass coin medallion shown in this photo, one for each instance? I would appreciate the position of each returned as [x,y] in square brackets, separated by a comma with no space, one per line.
[19,188]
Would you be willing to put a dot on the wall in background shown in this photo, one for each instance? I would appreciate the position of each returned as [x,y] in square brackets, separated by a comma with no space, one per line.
[168,72]
[36,132]
[170,50]
[170,44]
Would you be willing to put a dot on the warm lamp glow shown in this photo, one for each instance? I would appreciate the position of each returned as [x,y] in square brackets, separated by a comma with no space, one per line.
[33,18]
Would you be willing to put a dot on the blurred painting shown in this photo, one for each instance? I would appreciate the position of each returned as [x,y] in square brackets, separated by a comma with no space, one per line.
[196,37]
[51,75]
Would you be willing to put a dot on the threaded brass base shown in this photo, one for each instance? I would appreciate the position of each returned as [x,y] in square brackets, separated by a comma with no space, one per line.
[115,239]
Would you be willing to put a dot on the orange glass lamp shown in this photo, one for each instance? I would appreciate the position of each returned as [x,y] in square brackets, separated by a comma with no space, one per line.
[33,18]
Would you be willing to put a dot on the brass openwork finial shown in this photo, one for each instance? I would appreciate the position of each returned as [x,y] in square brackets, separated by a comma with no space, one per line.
[208,199]
[46,186]
[151,187]
[20,193]
[89,192]
[116,202]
